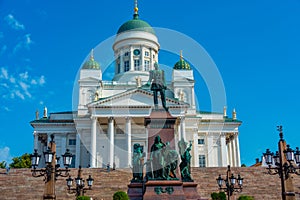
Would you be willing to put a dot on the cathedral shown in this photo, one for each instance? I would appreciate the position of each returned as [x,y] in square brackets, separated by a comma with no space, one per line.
[110,114]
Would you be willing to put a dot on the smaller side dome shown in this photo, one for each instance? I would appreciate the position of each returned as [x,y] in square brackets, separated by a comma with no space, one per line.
[182,64]
[91,63]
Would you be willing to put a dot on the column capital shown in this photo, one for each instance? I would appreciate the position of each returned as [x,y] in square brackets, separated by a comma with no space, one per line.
[127,119]
[93,117]
[110,119]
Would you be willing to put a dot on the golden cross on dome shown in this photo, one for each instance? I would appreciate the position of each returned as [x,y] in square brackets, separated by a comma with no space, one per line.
[136,9]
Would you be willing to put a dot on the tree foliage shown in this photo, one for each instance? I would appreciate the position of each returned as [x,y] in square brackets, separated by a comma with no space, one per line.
[244,197]
[83,198]
[218,196]
[120,195]
[3,165]
[23,161]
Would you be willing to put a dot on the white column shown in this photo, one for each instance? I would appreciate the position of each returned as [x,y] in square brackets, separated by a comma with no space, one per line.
[151,60]
[229,153]
[63,141]
[111,140]
[142,68]
[234,163]
[147,143]
[77,158]
[93,142]
[131,59]
[178,130]
[223,150]
[182,128]
[36,140]
[210,147]
[196,153]
[121,61]
[237,145]
[128,137]
[193,98]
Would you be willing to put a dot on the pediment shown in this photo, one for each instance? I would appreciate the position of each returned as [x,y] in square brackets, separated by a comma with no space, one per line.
[134,98]
[89,79]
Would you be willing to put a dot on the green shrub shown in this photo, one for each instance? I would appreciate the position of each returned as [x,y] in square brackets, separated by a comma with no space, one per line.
[244,197]
[218,196]
[120,195]
[83,198]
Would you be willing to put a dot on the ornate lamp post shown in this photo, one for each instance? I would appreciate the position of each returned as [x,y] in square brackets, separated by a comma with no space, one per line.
[286,161]
[232,184]
[80,189]
[51,171]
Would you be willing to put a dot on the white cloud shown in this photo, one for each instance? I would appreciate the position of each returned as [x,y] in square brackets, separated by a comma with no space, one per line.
[13,23]
[24,76]
[4,73]
[6,109]
[42,80]
[25,43]
[5,155]
[20,86]
[19,94]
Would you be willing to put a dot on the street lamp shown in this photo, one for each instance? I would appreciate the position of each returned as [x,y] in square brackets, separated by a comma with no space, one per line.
[80,189]
[232,184]
[51,171]
[286,161]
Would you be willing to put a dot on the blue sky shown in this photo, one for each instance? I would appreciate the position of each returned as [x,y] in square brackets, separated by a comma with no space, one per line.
[255,45]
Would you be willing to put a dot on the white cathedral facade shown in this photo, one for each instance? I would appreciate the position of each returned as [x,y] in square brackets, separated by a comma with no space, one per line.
[110,115]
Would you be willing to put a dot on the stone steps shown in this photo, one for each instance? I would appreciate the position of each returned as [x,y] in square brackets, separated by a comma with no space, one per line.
[20,185]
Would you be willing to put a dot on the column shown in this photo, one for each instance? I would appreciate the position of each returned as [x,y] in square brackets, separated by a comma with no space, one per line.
[93,142]
[234,164]
[178,130]
[77,158]
[196,153]
[121,61]
[36,140]
[142,64]
[223,150]
[182,128]
[151,59]
[131,64]
[210,147]
[229,153]
[63,140]
[111,140]
[237,146]
[128,137]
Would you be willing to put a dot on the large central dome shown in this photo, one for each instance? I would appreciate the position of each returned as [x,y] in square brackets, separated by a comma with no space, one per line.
[136,25]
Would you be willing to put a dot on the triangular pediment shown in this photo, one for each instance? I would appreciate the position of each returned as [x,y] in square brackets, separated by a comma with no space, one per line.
[89,79]
[134,98]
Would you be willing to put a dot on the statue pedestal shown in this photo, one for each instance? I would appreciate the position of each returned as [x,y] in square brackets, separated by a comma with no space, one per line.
[161,123]
[135,191]
[156,190]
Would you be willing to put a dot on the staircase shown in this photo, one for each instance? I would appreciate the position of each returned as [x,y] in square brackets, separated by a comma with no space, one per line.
[20,185]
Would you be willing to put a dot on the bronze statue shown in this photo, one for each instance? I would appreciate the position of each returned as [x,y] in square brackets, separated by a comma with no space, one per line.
[137,162]
[185,165]
[170,162]
[158,84]
[157,159]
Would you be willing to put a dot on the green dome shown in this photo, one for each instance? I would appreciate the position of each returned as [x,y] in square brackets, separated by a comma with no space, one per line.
[182,65]
[137,25]
[91,64]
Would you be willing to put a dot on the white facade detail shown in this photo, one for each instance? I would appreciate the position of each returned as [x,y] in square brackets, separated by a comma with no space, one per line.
[110,116]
